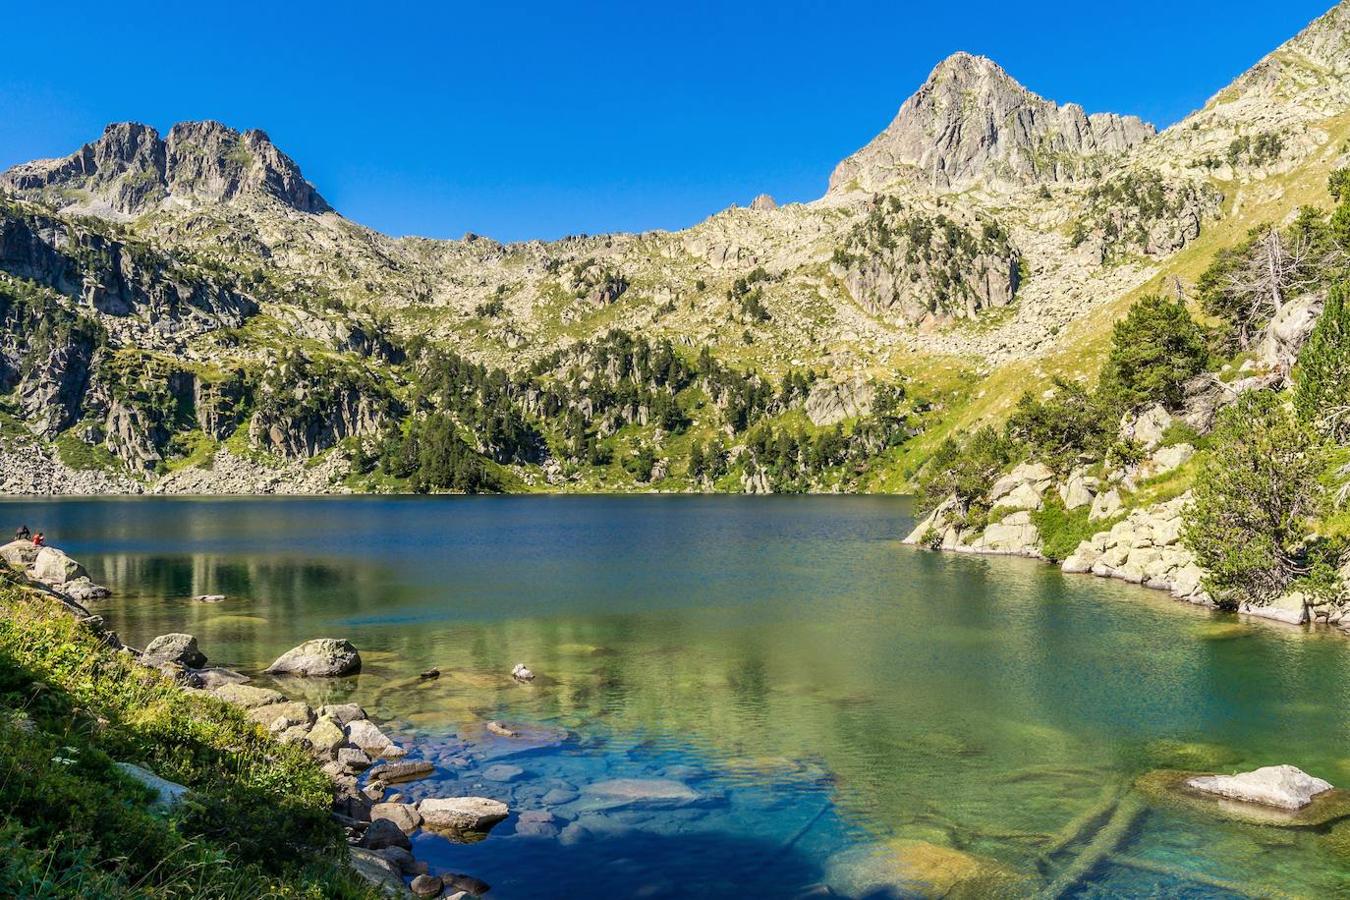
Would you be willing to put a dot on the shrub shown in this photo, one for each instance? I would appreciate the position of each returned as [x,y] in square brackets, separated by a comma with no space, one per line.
[966,473]
[1154,350]
[1322,395]
[1062,530]
[1060,429]
[1253,498]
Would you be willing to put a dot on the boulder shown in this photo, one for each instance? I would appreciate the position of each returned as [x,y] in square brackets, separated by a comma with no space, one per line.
[503,773]
[321,657]
[427,886]
[174,648]
[366,734]
[352,759]
[404,815]
[1291,608]
[1078,490]
[248,696]
[462,813]
[1106,506]
[52,567]
[343,713]
[168,794]
[521,672]
[1147,428]
[384,875]
[20,554]
[326,736]
[383,833]
[1283,787]
[81,589]
[294,712]
[537,823]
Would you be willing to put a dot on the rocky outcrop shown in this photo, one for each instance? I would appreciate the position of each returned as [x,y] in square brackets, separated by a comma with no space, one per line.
[920,270]
[1145,548]
[972,122]
[1010,531]
[140,293]
[831,402]
[131,170]
[763,202]
[323,657]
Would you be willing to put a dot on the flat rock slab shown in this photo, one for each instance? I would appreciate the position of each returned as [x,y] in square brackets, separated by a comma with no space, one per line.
[410,770]
[462,813]
[641,792]
[1283,787]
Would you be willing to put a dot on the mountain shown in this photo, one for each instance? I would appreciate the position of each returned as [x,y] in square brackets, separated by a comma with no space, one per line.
[970,121]
[131,171]
[186,313]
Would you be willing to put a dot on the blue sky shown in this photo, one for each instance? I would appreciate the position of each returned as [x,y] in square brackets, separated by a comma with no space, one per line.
[544,119]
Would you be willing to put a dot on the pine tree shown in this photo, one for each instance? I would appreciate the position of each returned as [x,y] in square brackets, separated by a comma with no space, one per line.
[1322,396]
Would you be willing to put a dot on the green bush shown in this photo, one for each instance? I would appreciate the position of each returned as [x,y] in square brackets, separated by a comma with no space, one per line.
[1154,350]
[1060,429]
[1322,395]
[967,472]
[1256,491]
[1062,530]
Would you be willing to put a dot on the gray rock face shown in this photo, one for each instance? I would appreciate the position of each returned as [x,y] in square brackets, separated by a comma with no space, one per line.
[174,648]
[831,402]
[321,657]
[52,567]
[972,122]
[131,170]
[462,813]
[763,201]
[1284,787]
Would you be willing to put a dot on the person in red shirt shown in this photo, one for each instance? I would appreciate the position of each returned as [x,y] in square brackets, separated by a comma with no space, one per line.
[39,540]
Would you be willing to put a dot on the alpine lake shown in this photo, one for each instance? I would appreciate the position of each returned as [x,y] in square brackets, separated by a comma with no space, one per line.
[755,697]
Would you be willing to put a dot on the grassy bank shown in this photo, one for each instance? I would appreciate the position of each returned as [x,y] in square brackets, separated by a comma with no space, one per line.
[256,823]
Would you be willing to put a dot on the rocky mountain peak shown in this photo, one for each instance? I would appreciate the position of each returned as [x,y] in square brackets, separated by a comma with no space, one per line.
[971,121]
[131,170]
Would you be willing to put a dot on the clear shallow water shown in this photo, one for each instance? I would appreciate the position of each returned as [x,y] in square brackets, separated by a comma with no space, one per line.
[849,711]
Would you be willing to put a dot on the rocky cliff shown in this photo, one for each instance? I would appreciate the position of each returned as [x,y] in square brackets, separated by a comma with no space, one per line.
[131,170]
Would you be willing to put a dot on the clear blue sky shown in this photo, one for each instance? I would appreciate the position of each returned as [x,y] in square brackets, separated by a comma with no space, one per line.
[543,119]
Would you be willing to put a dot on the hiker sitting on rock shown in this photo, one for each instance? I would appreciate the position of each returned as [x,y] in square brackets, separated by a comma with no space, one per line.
[23,534]
[39,540]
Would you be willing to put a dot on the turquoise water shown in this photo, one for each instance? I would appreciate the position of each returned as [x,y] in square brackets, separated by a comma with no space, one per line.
[839,711]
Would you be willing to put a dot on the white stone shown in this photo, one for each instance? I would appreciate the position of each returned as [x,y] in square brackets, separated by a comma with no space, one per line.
[1284,787]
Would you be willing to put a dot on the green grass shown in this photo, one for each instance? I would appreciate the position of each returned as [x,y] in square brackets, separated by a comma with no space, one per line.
[1062,530]
[255,825]
[76,454]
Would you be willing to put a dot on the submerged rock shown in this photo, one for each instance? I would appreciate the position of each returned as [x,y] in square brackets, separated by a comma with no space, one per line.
[1283,787]
[321,657]
[908,868]
[521,672]
[643,792]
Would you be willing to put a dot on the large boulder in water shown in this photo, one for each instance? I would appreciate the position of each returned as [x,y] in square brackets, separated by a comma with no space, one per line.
[1284,787]
[462,813]
[321,657]
[174,648]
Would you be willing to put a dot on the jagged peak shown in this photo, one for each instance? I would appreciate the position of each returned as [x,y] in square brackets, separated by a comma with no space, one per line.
[131,170]
[971,121]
